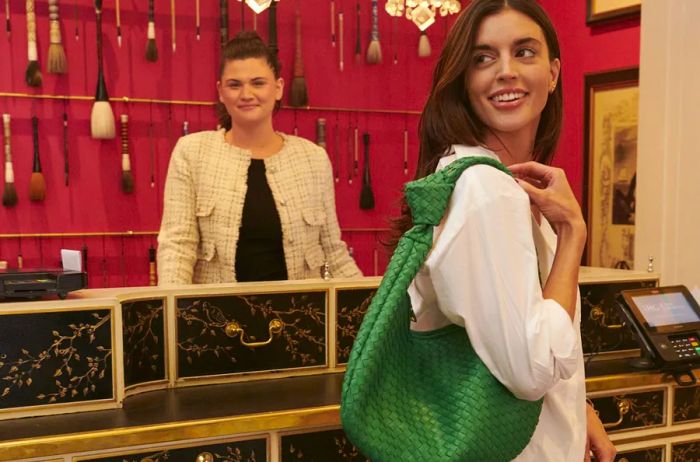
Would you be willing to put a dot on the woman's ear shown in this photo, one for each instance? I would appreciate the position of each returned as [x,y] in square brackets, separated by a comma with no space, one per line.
[279,91]
[218,90]
[554,69]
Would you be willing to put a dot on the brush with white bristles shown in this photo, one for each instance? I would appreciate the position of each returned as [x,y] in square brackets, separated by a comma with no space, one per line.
[127,177]
[9,195]
[102,117]
[57,56]
[151,49]
[33,74]
[424,49]
[374,50]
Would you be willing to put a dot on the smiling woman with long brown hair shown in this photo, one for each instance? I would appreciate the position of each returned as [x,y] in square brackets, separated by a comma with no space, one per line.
[246,202]
[505,258]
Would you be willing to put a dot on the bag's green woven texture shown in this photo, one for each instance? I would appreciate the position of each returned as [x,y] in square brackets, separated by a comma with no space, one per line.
[410,396]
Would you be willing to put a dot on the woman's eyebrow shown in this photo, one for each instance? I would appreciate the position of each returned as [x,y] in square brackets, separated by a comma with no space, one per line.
[517,42]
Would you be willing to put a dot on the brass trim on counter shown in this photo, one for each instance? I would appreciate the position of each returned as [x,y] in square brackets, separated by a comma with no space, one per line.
[162,433]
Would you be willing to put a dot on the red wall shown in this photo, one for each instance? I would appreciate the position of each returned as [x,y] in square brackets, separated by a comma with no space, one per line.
[94,203]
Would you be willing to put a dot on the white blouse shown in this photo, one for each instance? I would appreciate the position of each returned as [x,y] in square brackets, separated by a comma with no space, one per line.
[482,273]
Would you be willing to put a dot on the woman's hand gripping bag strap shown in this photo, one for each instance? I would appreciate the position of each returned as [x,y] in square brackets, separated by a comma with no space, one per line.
[426,396]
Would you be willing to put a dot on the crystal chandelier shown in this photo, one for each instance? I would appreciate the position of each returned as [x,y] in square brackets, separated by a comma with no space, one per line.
[422,12]
[259,5]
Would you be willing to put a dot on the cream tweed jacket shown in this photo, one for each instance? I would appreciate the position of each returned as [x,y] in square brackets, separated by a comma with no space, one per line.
[204,194]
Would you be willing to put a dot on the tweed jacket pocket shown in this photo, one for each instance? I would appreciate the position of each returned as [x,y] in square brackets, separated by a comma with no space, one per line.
[314,216]
[314,261]
[207,230]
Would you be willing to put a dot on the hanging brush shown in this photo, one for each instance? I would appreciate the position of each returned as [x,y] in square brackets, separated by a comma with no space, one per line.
[374,50]
[172,23]
[8,24]
[127,177]
[33,74]
[223,26]
[424,49]
[333,23]
[57,56]
[197,23]
[20,258]
[65,146]
[151,49]
[37,184]
[358,39]
[272,28]
[9,195]
[102,118]
[366,194]
[185,128]
[341,21]
[151,266]
[117,7]
[75,19]
[321,132]
[405,150]
[298,96]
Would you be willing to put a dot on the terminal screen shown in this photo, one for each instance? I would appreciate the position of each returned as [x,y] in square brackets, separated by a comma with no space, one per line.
[666,309]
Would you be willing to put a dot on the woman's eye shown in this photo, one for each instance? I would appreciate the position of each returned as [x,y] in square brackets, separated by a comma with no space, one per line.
[234,85]
[482,59]
[526,53]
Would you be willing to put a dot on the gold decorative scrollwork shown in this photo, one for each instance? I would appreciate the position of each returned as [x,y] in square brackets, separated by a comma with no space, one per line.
[233,329]
[205,457]
[598,315]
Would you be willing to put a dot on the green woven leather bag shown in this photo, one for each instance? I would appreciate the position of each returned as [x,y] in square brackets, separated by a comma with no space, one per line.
[410,396]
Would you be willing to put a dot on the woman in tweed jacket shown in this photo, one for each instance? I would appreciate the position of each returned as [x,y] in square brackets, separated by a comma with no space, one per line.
[204,224]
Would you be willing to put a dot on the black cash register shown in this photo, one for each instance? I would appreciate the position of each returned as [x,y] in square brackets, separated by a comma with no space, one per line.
[666,321]
[37,283]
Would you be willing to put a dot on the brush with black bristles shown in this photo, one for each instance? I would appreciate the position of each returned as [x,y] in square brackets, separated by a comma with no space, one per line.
[152,278]
[366,194]
[57,56]
[272,28]
[298,97]
[9,195]
[37,183]
[102,118]
[223,24]
[374,50]
[151,49]
[127,177]
[33,74]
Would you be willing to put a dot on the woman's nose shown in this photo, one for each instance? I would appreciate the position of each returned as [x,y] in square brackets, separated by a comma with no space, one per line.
[508,69]
[245,91]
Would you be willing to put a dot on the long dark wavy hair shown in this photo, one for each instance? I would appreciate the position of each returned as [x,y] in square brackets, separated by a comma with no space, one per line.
[246,44]
[448,117]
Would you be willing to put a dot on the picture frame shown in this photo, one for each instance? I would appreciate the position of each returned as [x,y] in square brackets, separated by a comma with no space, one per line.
[611,115]
[606,10]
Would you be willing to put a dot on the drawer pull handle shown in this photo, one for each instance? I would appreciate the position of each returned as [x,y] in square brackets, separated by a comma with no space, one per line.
[233,328]
[598,314]
[205,457]
[623,407]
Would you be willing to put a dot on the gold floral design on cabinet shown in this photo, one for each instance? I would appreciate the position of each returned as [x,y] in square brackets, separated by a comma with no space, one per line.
[272,331]
[633,410]
[686,404]
[352,306]
[67,358]
[144,343]
[325,445]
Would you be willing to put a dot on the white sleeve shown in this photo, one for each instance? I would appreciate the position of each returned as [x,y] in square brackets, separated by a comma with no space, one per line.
[484,270]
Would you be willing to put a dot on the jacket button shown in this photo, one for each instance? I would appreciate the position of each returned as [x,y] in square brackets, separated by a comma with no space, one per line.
[283,202]
[273,169]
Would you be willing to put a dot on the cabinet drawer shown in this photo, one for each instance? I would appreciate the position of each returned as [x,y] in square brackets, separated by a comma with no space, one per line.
[143,329]
[602,329]
[250,450]
[632,410]
[686,404]
[66,361]
[232,334]
[351,306]
[642,455]
[319,446]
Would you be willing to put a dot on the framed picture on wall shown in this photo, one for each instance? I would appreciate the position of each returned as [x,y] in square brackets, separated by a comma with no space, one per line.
[610,166]
[603,10]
